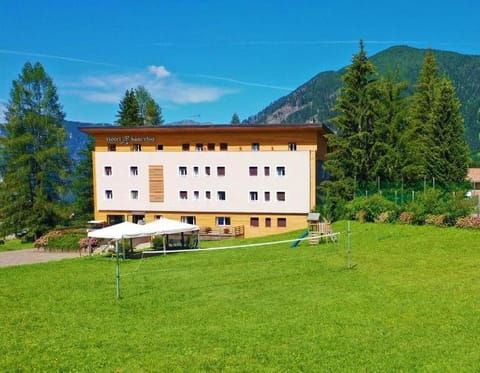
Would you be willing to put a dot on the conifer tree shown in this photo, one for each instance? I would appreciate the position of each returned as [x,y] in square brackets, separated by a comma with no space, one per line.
[149,111]
[448,136]
[35,163]
[235,119]
[420,153]
[355,120]
[82,185]
[129,110]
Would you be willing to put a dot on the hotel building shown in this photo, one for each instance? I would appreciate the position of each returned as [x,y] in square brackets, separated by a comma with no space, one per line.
[261,179]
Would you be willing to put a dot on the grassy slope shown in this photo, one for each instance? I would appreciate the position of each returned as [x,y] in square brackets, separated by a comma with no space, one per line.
[15,244]
[411,303]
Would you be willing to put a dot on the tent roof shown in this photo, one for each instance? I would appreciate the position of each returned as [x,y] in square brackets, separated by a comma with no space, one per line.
[129,230]
[117,231]
[166,226]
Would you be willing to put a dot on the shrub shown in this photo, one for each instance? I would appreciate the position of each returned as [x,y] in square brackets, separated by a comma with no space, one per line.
[384,217]
[360,216]
[157,243]
[406,217]
[67,239]
[371,206]
[87,242]
[472,222]
[438,220]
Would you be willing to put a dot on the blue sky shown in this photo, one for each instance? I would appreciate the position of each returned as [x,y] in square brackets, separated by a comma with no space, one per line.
[205,60]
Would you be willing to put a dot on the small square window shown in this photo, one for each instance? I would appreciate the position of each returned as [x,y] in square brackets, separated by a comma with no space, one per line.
[207,170]
[196,195]
[253,196]
[292,146]
[221,195]
[182,170]
[196,170]
[267,196]
[280,196]
[223,146]
[160,148]
[208,195]
[134,194]
[254,222]
[108,170]
[137,147]
[266,171]
[199,147]
[185,147]
[112,147]
[255,146]
[281,171]
[253,171]
[281,222]
[109,194]
[211,146]
[220,171]
[188,219]
[183,194]
[268,222]
[133,170]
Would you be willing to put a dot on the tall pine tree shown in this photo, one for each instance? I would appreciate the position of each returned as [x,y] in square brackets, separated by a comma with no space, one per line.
[129,110]
[35,163]
[82,185]
[355,120]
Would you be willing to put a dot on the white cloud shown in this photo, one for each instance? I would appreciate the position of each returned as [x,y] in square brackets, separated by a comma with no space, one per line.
[159,71]
[162,85]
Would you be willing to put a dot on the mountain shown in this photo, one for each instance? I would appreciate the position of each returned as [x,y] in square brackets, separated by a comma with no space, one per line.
[313,101]
[77,140]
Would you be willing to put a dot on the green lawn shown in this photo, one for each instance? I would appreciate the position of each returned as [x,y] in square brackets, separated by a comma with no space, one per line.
[15,244]
[412,303]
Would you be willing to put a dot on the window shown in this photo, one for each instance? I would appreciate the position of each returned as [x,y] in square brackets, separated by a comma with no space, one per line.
[199,147]
[182,170]
[223,146]
[158,217]
[221,171]
[133,170]
[266,171]
[108,170]
[185,147]
[207,170]
[254,222]
[134,194]
[195,170]
[280,196]
[281,222]
[253,196]
[211,146]
[196,195]
[281,171]
[267,196]
[183,194]
[253,171]
[255,147]
[137,147]
[208,195]
[221,195]
[222,220]
[160,148]
[188,219]
[268,222]
[112,147]
[109,194]
[292,146]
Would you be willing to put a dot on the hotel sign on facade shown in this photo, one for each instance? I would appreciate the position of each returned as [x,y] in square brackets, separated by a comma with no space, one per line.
[127,139]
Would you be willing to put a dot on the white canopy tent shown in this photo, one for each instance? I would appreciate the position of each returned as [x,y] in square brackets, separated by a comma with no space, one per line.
[164,226]
[117,232]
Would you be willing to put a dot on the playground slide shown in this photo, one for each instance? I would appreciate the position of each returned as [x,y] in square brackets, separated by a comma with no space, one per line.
[295,243]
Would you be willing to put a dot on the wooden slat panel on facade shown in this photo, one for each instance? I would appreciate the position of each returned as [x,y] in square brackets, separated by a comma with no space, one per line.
[156,185]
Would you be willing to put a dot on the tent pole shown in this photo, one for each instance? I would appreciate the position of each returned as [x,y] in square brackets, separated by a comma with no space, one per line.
[118,269]
[164,246]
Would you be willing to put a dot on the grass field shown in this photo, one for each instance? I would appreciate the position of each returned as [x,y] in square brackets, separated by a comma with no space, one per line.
[412,303]
[15,244]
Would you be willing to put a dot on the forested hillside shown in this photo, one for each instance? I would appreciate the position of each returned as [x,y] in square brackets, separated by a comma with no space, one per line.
[313,101]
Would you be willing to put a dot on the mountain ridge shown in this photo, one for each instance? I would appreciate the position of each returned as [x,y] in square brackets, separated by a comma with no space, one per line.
[313,101]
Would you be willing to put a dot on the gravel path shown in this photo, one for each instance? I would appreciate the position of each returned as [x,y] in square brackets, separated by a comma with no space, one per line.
[30,256]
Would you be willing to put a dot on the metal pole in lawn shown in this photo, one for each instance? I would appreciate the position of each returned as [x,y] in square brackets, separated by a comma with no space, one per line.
[349,265]
[117,253]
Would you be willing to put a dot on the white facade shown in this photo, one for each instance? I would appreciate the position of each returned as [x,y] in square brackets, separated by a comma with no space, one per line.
[281,184]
